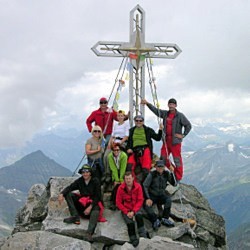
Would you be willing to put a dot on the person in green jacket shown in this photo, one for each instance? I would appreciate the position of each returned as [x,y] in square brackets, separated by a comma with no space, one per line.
[117,160]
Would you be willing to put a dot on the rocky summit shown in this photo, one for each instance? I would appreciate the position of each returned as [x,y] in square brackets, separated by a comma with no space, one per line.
[39,224]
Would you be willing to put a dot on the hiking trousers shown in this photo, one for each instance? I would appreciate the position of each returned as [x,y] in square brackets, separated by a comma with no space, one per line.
[131,224]
[77,209]
[164,200]
[175,150]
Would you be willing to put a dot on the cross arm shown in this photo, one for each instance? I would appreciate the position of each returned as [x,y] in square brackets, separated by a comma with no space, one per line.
[109,49]
[163,50]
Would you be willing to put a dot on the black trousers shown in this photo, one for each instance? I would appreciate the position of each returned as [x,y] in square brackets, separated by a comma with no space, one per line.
[164,200]
[131,224]
[76,209]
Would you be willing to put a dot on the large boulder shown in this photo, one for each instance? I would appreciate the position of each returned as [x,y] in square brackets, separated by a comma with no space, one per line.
[207,229]
[43,241]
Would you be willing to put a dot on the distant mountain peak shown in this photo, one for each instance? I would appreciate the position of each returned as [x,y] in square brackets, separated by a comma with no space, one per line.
[33,168]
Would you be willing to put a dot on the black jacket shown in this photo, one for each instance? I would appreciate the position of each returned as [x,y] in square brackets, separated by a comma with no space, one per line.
[155,183]
[92,190]
[150,134]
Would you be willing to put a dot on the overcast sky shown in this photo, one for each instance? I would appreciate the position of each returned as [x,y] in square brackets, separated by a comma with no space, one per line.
[50,78]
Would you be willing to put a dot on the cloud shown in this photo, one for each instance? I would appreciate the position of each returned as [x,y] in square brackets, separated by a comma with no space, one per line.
[49,77]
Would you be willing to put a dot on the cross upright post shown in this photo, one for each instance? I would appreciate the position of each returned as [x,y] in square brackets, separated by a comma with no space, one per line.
[137,50]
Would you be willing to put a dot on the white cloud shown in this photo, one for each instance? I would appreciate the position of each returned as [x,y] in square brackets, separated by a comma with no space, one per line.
[49,77]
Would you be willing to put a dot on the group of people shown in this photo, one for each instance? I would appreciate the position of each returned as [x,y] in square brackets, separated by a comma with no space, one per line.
[126,155]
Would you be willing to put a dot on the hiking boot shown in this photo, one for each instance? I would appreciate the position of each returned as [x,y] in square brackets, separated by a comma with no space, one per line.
[167,222]
[89,237]
[142,232]
[134,241]
[156,225]
[72,219]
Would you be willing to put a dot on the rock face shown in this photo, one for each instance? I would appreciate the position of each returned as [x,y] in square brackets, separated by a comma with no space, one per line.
[39,225]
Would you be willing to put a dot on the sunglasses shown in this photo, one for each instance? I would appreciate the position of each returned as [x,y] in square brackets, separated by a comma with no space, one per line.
[85,171]
[103,102]
[116,150]
[97,131]
[138,120]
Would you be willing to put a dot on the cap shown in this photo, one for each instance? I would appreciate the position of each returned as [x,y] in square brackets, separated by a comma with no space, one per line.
[160,163]
[85,168]
[139,117]
[103,99]
[172,100]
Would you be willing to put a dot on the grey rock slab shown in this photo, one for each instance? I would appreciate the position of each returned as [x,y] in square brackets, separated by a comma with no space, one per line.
[156,243]
[183,211]
[189,194]
[43,241]
[213,223]
[173,232]
[115,229]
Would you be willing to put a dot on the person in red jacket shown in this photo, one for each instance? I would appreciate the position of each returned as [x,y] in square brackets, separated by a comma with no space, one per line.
[129,200]
[176,127]
[103,117]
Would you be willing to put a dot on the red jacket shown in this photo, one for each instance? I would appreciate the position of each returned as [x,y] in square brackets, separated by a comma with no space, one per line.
[131,200]
[101,118]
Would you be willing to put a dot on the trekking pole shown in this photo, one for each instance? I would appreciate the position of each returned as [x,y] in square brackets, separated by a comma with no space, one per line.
[79,164]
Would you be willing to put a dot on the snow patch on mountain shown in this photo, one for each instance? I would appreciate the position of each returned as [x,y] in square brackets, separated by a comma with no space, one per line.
[236,129]
[230,147]
[212,146]
[5,227]
[245,156]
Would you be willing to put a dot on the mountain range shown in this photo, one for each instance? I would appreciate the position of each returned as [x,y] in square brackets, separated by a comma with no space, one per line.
[66,147]
[216,158]
[222,174]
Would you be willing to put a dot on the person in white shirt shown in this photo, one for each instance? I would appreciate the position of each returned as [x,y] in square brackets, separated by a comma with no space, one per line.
[120,131]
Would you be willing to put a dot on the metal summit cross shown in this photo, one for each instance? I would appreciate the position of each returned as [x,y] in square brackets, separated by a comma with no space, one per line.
[137,50]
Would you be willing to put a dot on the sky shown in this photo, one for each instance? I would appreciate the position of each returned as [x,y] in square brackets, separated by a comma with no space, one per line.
[50,78]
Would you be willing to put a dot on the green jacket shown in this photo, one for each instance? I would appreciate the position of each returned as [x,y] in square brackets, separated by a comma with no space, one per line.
[118,174]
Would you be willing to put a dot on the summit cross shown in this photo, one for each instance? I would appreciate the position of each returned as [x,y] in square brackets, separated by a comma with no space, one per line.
[137,50]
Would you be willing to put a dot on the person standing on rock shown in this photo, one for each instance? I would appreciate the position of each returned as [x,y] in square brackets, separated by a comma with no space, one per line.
[155,193]
[103,117]
[84,204]
[174,122]
[129,200]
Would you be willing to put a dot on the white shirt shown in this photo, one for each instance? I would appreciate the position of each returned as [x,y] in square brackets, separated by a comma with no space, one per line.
[120,130]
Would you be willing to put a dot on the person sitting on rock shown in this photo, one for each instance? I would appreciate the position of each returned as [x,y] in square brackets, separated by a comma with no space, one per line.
[129,200]
[140,148]
[117,160]
[155,193]
[90,194]
[120,131]
[119,135]
[94,151]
